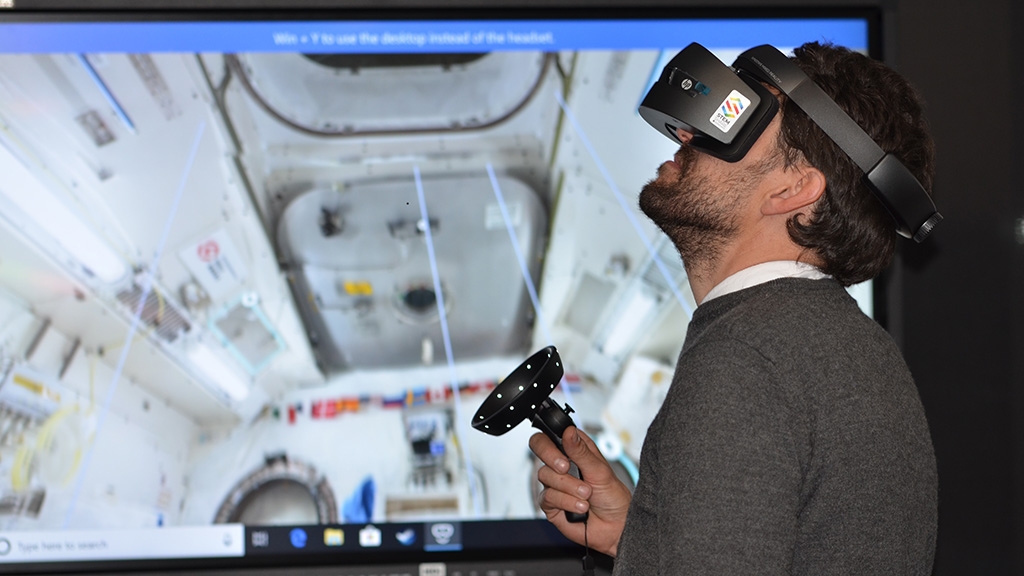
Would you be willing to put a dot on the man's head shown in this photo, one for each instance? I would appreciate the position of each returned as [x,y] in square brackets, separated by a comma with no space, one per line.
[849,229]
[800,192]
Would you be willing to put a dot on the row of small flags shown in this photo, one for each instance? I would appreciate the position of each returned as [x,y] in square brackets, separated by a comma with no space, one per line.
[327,408]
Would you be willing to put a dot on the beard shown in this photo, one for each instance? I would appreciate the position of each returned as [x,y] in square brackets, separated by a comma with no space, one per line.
[698,215]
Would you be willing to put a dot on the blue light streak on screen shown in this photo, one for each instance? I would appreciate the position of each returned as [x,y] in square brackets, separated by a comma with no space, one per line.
[421,36]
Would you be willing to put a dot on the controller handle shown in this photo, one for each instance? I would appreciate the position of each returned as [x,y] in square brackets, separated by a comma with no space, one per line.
[553,420]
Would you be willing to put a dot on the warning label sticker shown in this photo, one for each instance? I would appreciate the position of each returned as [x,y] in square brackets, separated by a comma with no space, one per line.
[216,264]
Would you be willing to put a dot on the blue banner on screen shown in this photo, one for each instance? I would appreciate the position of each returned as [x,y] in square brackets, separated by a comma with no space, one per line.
[427,37]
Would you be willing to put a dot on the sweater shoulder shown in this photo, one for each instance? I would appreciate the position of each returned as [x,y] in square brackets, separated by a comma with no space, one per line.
[790,316]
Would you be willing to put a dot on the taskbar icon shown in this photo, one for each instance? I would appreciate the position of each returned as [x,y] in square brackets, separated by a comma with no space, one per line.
[443,536]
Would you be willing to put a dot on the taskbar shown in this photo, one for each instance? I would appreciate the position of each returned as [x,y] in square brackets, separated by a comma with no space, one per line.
[428,536]
[237,541]
[436,536]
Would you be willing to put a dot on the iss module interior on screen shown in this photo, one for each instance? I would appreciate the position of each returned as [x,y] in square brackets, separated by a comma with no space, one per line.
[272,287]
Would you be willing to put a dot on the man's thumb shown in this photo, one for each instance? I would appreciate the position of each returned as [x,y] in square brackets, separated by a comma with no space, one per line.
[578,449]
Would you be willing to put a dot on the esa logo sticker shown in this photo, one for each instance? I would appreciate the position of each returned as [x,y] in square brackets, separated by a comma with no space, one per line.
[730,111]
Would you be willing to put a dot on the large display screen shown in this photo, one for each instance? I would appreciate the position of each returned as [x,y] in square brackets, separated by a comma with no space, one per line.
[258,272]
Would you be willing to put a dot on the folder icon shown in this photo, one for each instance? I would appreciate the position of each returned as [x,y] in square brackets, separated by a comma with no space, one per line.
[333,537]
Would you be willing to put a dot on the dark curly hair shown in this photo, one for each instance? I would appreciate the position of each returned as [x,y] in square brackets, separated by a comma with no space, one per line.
[849,229]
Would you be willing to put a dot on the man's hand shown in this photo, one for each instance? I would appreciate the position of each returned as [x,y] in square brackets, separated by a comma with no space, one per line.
[601,492]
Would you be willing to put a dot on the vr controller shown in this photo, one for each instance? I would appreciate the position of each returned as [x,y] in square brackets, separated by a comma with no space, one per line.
[524,394]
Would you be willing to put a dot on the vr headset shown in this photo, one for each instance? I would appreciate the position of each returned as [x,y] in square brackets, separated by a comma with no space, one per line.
[726,109]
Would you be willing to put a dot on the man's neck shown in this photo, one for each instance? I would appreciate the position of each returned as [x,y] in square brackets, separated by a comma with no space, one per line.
[740,255]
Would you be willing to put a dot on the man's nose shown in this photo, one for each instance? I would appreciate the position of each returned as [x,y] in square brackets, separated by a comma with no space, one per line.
[684,136]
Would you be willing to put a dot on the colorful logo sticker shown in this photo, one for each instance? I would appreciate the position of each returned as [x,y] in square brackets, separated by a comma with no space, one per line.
[730,111]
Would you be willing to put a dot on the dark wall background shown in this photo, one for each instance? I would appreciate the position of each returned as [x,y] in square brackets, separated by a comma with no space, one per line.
[961,311]
[954,303]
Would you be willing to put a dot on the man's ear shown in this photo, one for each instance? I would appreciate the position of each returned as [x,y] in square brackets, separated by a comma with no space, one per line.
[801,187]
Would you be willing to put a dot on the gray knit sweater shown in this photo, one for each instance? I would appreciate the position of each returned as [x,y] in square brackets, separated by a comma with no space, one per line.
[792,441]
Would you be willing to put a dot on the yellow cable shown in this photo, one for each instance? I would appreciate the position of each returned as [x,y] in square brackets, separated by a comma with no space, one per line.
[22,470]
[46,436]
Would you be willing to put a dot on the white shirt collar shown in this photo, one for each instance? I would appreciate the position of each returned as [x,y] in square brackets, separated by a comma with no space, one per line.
[764,272]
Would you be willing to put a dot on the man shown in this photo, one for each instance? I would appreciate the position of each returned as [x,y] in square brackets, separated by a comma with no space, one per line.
[792,440]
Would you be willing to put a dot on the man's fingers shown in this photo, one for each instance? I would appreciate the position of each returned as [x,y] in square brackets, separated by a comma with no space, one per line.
[564,483]
[548,453]
[553,501]
[579,448]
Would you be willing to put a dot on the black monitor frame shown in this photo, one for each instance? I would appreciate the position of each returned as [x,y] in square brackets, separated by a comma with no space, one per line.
[556,553]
